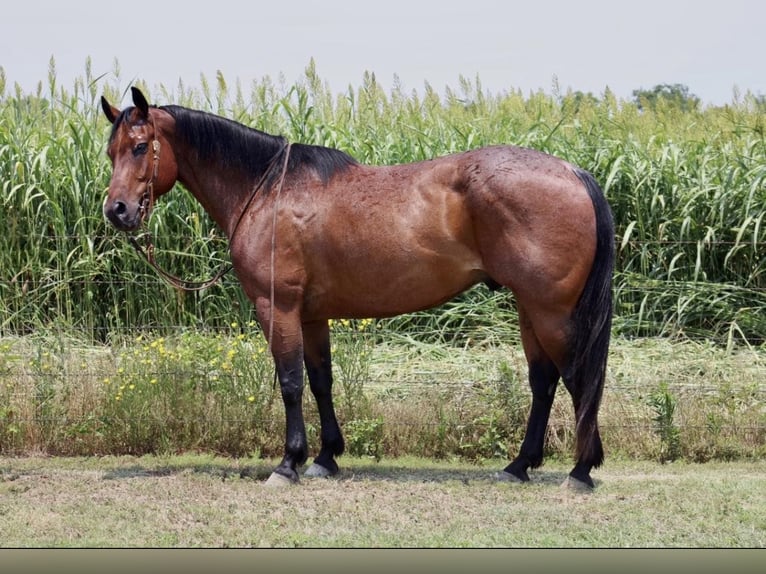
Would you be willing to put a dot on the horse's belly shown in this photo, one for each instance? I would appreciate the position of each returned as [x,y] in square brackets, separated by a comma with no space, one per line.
[376,258]
[384,287]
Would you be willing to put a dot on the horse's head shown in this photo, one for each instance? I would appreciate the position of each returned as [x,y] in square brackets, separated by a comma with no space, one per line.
[143,164]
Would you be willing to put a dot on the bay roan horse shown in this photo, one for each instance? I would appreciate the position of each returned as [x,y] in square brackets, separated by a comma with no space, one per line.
[314,235]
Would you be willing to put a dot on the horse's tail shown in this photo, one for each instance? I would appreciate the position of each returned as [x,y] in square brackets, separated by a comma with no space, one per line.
[592,322]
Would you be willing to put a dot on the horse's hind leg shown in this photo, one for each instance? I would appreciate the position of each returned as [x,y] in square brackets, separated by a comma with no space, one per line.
[543,380]
[316,350]
[547,346]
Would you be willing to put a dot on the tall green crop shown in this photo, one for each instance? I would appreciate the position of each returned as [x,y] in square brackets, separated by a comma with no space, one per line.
[687,190]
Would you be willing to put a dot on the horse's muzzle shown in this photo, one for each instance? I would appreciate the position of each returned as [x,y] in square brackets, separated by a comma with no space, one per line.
[123,216]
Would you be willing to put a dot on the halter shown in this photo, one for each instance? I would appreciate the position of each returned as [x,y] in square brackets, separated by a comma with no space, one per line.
[148,197]
[147,203]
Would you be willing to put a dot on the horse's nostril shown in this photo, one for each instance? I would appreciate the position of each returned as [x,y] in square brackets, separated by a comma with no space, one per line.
[119,214]
[119,208]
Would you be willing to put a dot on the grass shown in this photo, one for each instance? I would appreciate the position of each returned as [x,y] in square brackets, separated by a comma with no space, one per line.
[97,356]
[215,392]
[204,501]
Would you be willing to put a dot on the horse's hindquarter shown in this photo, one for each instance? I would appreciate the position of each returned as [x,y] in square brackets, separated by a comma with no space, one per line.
[535,223]
[382,241]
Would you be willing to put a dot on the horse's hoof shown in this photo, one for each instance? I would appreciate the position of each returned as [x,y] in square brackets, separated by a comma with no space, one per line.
[576,485]
[277,480]
[504,476]
[317,471]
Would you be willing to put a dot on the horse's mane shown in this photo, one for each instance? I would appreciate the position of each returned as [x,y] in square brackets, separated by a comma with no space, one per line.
[241,147]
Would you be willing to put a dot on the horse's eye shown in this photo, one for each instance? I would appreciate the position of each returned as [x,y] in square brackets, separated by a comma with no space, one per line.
[140,149]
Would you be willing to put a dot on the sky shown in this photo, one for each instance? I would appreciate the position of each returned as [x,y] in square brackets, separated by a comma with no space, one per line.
[714,48]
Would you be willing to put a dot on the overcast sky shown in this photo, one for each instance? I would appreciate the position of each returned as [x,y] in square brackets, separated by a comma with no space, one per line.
[710,46]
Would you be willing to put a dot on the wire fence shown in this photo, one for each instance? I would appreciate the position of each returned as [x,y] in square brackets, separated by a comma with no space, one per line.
[644,307]
[50,303]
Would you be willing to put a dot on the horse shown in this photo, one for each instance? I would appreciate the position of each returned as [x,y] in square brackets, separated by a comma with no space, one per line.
[315,235]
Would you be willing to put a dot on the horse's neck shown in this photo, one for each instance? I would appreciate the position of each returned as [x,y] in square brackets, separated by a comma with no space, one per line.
[224,187]
[222,196]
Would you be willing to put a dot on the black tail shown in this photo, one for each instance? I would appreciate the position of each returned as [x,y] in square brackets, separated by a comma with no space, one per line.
[592,320]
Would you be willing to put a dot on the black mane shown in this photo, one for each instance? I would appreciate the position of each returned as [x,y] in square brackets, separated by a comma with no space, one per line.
[240,147]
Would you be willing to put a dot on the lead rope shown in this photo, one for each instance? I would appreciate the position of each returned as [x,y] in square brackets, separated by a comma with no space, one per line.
[148,252]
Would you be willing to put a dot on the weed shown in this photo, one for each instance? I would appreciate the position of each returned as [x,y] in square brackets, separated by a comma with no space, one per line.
[663,404]
[364,437]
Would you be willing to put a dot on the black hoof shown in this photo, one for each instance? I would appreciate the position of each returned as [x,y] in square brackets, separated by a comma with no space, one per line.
[517,469]
[583,478]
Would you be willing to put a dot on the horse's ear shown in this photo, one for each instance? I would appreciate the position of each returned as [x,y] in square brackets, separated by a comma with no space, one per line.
[110,111]
[140,101]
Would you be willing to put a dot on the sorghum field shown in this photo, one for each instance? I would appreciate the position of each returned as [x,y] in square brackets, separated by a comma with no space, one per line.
[98,356]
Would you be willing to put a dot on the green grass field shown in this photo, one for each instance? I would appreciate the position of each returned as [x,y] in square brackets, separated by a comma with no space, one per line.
[663,400]
[97,355]
[211,502]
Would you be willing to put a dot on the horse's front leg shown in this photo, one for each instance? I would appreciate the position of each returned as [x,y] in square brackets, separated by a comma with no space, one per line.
[287,351]
[316,352]
[290,374]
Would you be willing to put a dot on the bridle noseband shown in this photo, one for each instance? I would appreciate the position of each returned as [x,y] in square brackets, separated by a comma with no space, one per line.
[147,203]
